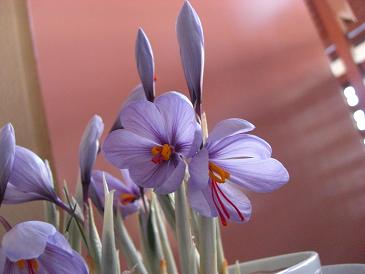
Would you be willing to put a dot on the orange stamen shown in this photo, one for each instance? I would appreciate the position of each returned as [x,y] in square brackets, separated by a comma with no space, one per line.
[217,173]
[21,264]
[32,264]
[161,153]
[126,198]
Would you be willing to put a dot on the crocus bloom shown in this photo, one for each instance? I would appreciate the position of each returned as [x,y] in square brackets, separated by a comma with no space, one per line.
[7,154]
[145,64]
[30,180]
[89,147]
[126,197]
[155,139]
[191,40]
[230,159]
[35,247]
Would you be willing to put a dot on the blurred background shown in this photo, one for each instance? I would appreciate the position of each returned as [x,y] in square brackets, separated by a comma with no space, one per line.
[293,68]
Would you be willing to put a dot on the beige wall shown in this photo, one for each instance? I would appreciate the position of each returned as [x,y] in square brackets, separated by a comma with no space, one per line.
[21,103]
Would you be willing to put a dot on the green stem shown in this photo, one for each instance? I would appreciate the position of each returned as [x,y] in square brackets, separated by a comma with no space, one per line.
[222,262]
[208,246]
[183,232]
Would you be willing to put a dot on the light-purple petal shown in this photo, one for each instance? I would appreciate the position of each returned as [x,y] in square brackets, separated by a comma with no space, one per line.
[239,146]
[27,240]
[136,94]
[258,175]
[144,119]
[13,195]
[88,150]
[172,183]
[179,120]
[125,149]
[229,127]
[7,154]
[198,170]
[56,260]
[145,64]
[201,201]
[191,40]
[30,175]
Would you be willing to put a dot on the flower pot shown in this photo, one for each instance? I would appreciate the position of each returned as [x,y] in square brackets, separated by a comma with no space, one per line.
[343,268]
[294,263]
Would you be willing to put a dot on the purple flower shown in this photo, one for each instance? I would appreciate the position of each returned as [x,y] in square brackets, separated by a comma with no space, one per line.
[191,41]
[89,147]
[231,159]
[37,248]
[127,197]
[155,139]
[30,180]
[7,154]
[145,64]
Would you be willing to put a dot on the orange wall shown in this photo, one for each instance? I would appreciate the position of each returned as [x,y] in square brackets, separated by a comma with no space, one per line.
[264,63]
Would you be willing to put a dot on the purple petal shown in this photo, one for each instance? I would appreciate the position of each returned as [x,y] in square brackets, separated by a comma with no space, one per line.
[239,146]
[201,201]
[97,192]
[259,175]
[88,150]
[31,175]
[145,64]
[7,154]
[56,260]
[172,183]
[16,242]
[179,120]
[198,170]
[229,127]
[14,196]
[144,119]
[191,41]
[136,94]
[235,201]
[125,149]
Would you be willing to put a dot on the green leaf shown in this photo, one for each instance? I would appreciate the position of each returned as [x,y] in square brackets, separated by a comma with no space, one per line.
[110,258]
[131,254]
[93,239]
[208,245]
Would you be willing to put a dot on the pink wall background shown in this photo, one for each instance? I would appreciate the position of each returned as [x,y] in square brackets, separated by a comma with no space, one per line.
[264,63]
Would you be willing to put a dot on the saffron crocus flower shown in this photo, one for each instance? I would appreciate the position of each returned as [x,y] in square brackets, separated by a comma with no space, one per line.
[155,139]
[7,154]
[145,64]
[232,159]
[30,180]
[191,41]
[89,148]
[127,197]
[37,248]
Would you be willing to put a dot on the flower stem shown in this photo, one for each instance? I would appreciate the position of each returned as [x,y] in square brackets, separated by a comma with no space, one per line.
[208,245]
[183,232]
[222,262]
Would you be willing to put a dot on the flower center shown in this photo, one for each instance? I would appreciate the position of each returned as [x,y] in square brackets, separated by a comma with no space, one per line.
[32,265]
[218,176]
[217,173]
[161,153]
[126,198]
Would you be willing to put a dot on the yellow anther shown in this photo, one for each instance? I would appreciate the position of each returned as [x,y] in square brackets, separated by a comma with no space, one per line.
[34,264]
[217,174]
[21,264]
[126,198]
[166,152]
[156,150]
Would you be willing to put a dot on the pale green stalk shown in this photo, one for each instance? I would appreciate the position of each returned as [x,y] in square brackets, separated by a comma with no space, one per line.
[170,261]
[94,243]
[110,257]
[167,204]
[208,244]
[126,245]
[186,246]
[222,262]
[237,268]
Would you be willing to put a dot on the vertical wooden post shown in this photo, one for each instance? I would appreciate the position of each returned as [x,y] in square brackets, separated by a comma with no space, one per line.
[343,47]
[21,101]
